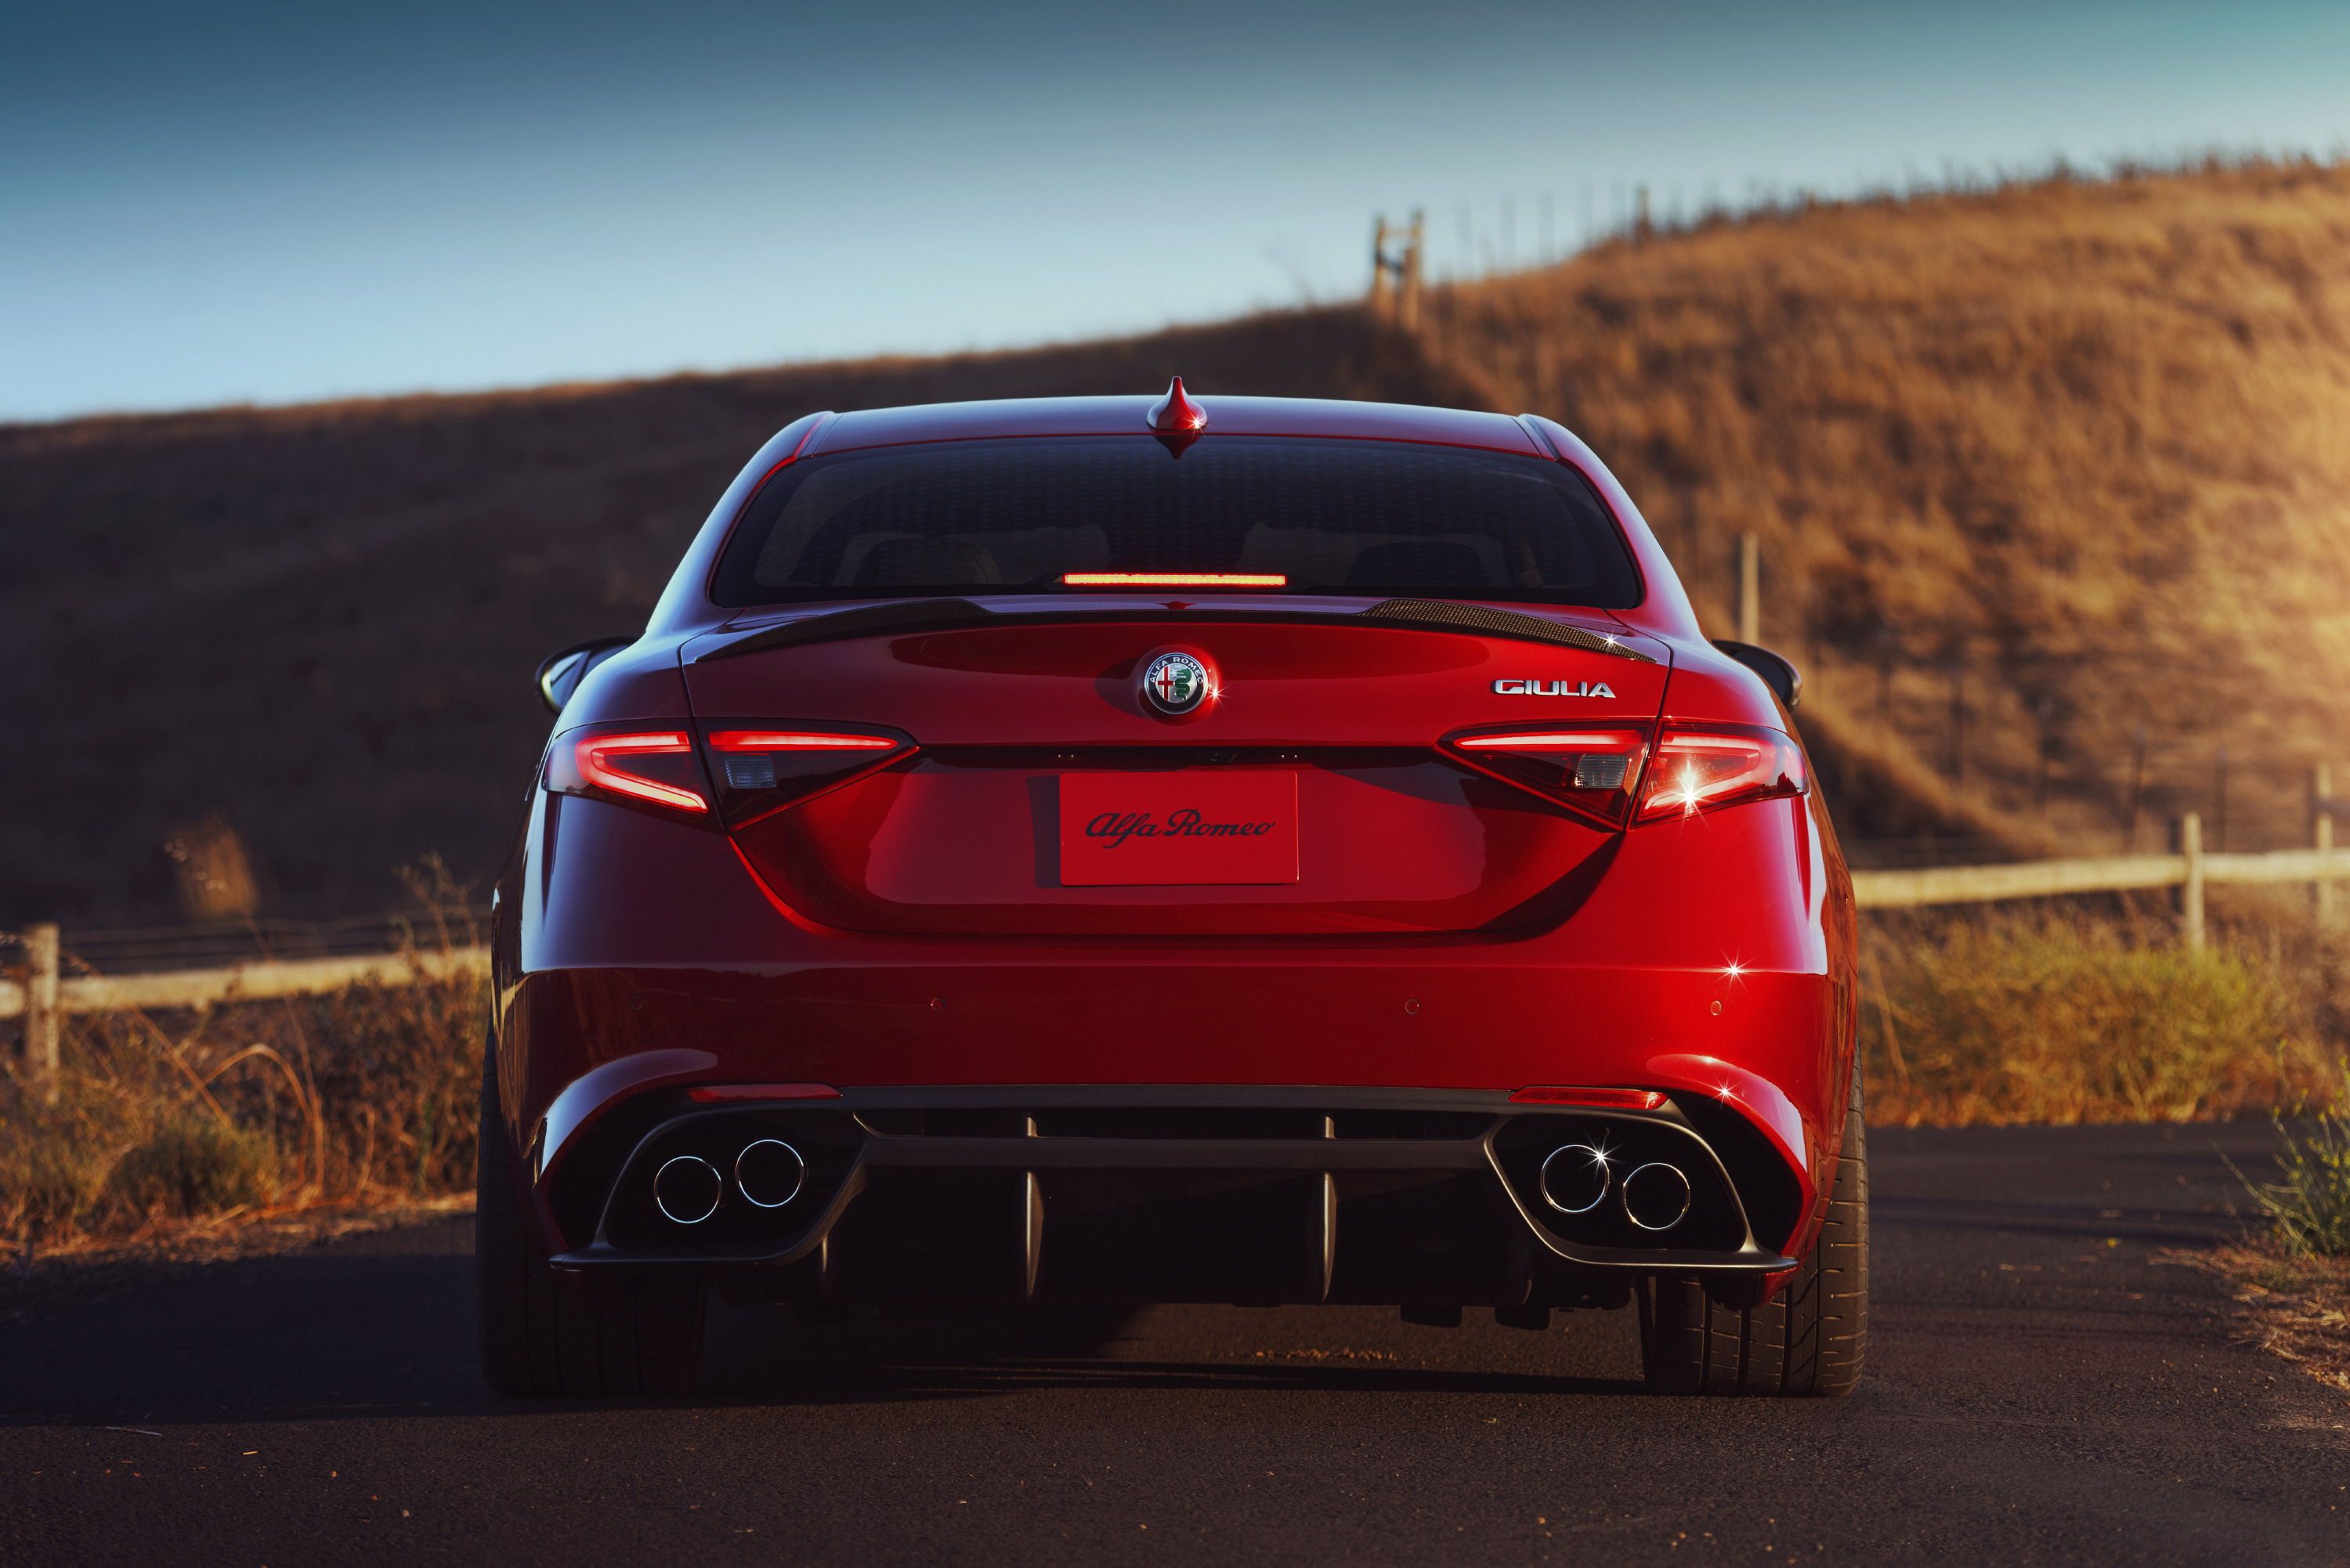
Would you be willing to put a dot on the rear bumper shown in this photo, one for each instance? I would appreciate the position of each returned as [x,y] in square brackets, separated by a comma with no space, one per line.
[1399,1023]
[1731,993]
[1168,1193]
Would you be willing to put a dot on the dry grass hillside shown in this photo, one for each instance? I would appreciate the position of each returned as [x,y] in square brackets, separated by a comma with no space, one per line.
[2085,444]
[319,624]
[2085,440]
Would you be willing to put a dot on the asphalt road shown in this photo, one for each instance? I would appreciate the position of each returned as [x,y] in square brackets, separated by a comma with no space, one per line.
[2042,1388]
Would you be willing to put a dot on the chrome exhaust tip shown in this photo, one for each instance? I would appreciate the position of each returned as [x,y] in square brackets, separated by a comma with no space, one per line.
[769,1173]
[687,1189]
[1655,1196]
[1575,1179]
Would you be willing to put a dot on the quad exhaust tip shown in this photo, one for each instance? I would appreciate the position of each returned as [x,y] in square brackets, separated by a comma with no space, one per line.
[687,1190]
[1656,1195]
[1575,1179]
[769,1173]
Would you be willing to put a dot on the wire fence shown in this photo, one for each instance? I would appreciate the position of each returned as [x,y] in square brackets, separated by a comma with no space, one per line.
[226,943]
[1466,241]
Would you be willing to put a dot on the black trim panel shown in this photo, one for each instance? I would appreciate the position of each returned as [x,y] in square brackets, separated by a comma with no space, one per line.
[1189,1140]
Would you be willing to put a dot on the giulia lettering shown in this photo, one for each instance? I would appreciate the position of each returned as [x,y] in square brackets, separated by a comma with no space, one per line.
[1553,689]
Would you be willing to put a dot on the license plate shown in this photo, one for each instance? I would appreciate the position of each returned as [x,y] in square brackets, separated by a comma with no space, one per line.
[1197,827]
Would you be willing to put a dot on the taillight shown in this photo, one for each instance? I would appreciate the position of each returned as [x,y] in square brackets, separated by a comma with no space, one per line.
[1621,776]
[1593,770]
[645,767]
[762,768]
[1698,768]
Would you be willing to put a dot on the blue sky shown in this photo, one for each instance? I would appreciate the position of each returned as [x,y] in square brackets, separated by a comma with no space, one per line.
[234,202]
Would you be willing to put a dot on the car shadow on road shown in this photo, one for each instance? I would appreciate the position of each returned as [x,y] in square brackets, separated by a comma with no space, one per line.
[902,1377]
[336,1334]
[764,1355]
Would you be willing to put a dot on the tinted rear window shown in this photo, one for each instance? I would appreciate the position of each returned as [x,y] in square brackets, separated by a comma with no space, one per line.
[1334,516]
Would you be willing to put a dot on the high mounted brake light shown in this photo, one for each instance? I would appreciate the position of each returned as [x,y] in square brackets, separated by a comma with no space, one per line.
[1174,579]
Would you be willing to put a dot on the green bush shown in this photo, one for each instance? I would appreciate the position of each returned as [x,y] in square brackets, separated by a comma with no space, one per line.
[2309,1204]
[192,1164]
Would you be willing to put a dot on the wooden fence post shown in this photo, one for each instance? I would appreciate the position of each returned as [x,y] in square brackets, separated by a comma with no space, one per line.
[41,1011]
[2137,788]
[1409,273]
[2220,801]
[1396,277]
[1958,670]
[1750,587]
[2191,894]
[2320,811]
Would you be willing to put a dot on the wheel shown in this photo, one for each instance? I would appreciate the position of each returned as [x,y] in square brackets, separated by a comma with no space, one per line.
[540,1336]
[1809,1339]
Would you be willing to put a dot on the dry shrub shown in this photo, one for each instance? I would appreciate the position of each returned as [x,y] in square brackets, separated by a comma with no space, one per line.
[363,1097]
[191,1165]
[2075,1017]
[49,1176]
[2296,1307]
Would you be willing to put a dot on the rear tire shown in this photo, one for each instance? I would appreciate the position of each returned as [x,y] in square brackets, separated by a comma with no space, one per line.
[539,1335]
[1809,1339]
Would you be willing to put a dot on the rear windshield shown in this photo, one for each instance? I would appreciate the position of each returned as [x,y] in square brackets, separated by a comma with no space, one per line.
[1389,518]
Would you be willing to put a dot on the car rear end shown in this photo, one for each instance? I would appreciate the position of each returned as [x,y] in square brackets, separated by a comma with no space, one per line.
[1037,856]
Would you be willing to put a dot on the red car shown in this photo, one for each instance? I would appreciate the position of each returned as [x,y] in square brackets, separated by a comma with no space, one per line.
[1127,850]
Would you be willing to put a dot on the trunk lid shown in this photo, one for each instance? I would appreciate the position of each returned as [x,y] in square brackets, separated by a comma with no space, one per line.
[1050,794]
